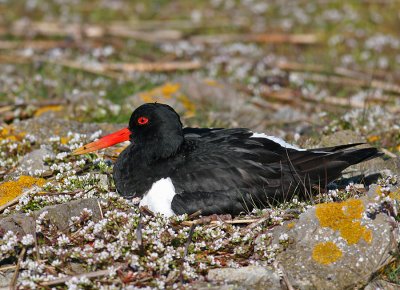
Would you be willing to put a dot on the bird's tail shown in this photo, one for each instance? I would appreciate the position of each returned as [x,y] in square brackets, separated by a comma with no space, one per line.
[324,165]
[355,156]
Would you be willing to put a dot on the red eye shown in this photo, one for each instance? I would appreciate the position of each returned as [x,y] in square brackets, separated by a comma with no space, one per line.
[142,120]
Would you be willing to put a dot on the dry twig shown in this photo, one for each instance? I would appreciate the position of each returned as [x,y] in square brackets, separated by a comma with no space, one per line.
[88,275]
[152,66]
[260,38]
[16,272]
[284,275]
[189,240]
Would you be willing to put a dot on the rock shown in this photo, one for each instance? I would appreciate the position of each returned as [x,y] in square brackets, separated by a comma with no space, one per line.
[5,280]
[380,165]
[33,161]
[382,284]
[59,215]
[334,246]
[341,137]
[251,277]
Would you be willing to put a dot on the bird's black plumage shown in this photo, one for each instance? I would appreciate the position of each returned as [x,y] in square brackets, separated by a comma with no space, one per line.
[222,170]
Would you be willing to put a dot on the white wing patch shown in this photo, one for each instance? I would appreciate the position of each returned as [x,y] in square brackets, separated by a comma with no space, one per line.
[277,140]
[159,198]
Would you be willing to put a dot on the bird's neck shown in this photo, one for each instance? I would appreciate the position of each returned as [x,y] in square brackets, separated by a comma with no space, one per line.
[161,147]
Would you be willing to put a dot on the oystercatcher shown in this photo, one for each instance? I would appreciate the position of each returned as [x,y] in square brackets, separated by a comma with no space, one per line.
[176,170]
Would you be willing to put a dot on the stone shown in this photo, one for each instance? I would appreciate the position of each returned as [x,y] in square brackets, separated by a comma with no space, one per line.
[33,161]
[343,255]
[382,285]
[251,277]
[5,280]
[341,137]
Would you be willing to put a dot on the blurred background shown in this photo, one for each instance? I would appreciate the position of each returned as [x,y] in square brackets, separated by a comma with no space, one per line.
[297,69]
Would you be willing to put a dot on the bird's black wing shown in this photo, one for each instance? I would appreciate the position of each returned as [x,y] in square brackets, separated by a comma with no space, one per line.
[228,171]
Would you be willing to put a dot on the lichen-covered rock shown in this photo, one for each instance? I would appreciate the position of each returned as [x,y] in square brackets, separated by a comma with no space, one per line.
[14,188]
[336,246]
[251,277]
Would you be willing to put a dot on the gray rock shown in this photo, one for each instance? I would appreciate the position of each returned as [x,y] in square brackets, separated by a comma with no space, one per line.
[351,264]
[381,285]
[5,280]
[341,137]
[251,277]
[59,215]
[33,161]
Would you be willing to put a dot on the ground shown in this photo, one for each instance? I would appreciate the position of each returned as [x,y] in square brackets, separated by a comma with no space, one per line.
[312,72]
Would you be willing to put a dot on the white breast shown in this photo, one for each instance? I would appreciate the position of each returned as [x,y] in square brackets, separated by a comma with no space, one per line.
[158,199]
[277,140]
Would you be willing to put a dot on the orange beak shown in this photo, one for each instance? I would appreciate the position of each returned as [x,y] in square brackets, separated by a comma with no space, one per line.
[106,141]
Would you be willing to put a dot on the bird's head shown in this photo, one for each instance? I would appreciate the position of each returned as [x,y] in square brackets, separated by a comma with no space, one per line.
[151,125]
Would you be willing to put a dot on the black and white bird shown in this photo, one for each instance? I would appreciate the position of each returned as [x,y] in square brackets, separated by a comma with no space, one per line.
[176,170]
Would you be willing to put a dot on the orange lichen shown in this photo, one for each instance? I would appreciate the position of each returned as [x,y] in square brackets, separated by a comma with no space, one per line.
[290,225]
[344,217]
[8,133]
[373,138]
[42,110]
[326,253]
[170,88]
[11,189]
[165,91]
[188,104]
[64,140]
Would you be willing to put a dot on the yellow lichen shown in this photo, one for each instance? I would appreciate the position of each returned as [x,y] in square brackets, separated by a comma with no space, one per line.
[290,225]
[170,88]
[326,253]
[373,138]
[188,104]
[344,217]
[64,140]
[165,91]
[42,110]
[8,133]
[11,189]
